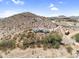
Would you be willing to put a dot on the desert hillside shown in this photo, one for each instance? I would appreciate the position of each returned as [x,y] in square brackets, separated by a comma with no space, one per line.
[30,35]
[23,21]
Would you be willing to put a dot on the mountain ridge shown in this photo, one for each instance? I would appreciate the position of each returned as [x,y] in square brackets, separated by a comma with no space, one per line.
[22,21]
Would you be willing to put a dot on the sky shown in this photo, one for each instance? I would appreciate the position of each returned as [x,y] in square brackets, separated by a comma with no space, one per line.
[40,7]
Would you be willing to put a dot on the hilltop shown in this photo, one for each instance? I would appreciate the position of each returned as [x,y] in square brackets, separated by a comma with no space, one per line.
[22,21]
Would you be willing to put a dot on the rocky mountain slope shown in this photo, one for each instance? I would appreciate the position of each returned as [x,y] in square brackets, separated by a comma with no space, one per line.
[38,36]
[23,21]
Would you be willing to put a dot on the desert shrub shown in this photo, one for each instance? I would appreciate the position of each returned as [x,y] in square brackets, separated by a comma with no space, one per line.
[53,39]
[69,49]
[50,41]
[28,43]
[76,37]
[7,44]
[29,40]
[30,34]
[22,36]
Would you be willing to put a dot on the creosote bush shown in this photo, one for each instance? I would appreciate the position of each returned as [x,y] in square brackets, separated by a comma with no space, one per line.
[52,40]
[29,40]
[7,44]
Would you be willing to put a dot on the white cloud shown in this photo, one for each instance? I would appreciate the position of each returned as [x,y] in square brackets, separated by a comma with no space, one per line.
[18,2]
[54,9]
[51,5]
[7,13]
[1,0]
